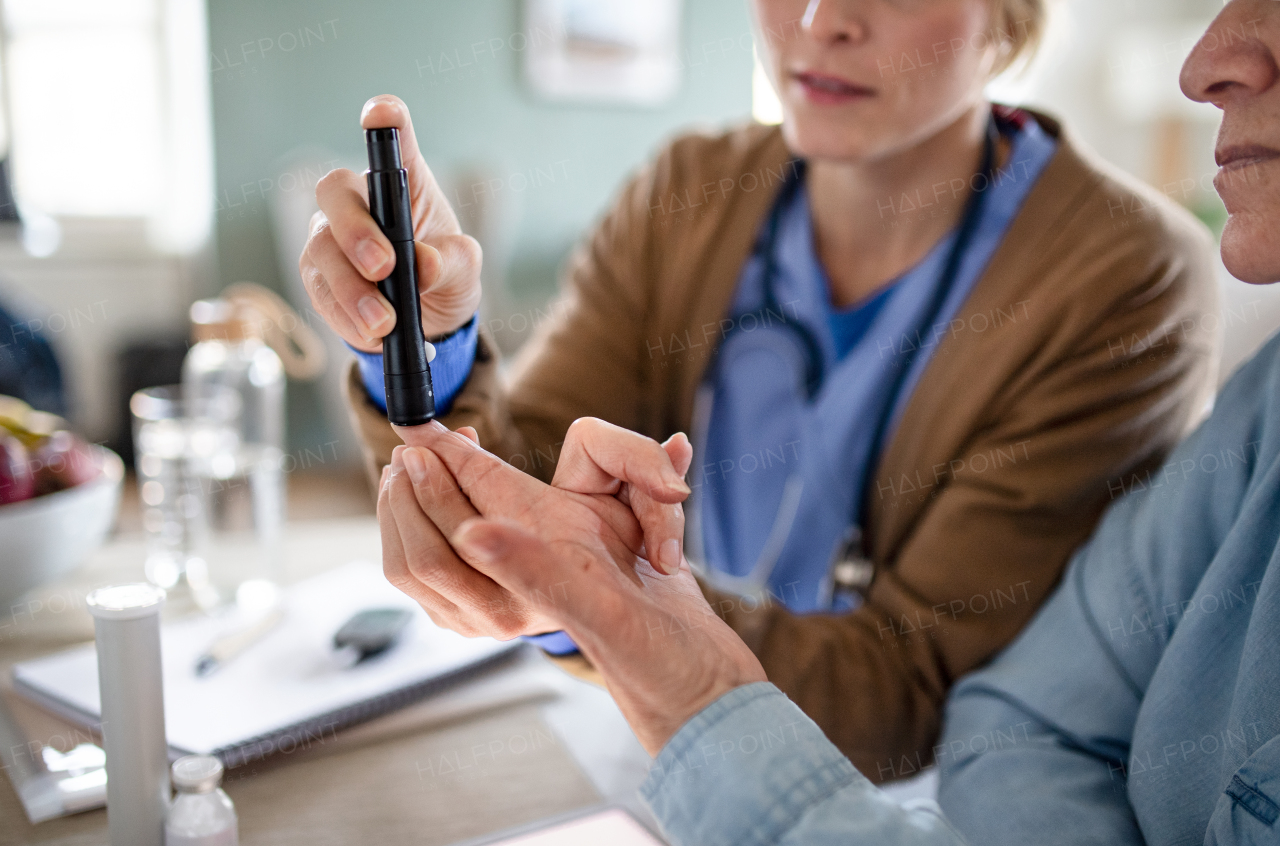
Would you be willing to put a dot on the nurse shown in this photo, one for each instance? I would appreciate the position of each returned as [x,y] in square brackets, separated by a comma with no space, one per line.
[920,341]
[1138,707]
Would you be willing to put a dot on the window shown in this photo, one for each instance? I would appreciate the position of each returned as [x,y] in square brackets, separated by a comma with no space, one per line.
[108,112]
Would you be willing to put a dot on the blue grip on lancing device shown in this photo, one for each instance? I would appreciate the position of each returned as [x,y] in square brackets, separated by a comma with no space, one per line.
[410,398]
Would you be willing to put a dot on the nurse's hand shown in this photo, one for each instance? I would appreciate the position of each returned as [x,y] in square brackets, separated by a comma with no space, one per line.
[346,254]
[420,505]
[562,561]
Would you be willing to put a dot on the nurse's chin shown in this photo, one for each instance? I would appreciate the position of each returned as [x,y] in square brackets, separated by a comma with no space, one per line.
[813,139]
[1251,247]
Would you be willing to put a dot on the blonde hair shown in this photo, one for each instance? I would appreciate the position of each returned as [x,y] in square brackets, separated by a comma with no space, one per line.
[1019,28]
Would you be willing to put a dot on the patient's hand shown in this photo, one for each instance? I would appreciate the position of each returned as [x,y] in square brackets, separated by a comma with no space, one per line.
[488,550]
[420,505]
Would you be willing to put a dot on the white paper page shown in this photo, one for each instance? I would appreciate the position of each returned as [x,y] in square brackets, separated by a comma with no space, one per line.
[286,678]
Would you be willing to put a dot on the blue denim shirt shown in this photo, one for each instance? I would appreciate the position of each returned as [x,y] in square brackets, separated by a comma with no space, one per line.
[1141,704]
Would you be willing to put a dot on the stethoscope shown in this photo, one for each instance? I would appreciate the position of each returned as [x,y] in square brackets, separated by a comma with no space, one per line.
[851,570]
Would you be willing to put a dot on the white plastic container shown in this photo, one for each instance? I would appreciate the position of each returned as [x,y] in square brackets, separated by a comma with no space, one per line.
[127,630]
[202,814]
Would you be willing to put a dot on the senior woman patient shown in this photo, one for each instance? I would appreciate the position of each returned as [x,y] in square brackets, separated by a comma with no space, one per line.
[913,336]
[1141,704]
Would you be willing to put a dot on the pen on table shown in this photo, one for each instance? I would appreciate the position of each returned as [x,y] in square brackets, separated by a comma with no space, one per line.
[230,645]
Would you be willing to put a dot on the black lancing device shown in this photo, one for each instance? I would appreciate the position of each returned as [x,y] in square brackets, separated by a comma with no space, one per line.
[410,398]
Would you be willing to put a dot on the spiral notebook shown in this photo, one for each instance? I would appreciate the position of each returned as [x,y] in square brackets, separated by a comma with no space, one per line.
[287,691]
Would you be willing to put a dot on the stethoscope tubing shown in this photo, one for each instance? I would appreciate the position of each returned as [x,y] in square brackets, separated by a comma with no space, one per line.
[767,562]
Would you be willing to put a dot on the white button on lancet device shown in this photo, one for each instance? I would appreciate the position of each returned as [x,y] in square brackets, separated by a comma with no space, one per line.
[431,351]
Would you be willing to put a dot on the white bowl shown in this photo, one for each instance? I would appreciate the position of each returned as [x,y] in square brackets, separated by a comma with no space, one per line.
[49,536]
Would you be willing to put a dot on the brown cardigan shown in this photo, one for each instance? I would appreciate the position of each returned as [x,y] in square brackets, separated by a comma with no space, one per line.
[1079,358]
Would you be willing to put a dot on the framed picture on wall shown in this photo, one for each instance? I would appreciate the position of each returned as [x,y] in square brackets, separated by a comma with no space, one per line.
[620,52]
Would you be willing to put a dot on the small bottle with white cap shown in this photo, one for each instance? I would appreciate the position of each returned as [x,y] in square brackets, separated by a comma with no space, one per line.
[202,815]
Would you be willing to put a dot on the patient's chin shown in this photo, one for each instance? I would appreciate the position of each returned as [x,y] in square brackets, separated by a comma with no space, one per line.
[1251,248]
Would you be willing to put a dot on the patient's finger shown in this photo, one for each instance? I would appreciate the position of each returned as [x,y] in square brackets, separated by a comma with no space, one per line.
[597,455]
[680,451]
[560,584]
[438,493]
[663,526]
[496,489]
[492,485]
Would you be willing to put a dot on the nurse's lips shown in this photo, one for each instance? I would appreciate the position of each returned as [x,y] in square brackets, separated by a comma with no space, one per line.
[828,90]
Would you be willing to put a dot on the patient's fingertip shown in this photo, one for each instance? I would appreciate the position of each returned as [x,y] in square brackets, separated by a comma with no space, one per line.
[470,443]
[669,556]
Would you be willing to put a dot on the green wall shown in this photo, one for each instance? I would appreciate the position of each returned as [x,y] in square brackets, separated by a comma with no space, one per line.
[294,73]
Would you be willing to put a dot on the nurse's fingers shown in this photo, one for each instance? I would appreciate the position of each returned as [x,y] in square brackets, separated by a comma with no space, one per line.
[348,302]
[395,564]
[482,606]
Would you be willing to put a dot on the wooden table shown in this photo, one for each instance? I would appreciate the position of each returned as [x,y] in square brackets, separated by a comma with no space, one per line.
[411,777]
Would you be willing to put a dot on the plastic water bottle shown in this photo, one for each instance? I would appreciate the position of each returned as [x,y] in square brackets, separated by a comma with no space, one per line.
[230,350]
[202,815]
[244,499]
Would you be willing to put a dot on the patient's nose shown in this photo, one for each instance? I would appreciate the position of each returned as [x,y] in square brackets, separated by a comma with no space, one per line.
[1234,59]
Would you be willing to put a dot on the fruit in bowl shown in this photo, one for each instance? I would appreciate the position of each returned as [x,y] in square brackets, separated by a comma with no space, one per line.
[17,481]
[58,498]
[38,456]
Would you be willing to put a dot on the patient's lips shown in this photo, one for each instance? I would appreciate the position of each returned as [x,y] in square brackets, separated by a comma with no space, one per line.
[1239,156]
[828,90]
[1243,168]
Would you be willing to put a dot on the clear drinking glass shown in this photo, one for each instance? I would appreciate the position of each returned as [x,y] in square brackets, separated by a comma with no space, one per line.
[243,504]
[181,439]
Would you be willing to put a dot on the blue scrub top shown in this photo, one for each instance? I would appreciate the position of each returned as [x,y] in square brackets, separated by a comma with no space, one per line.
[767,449]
